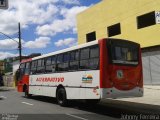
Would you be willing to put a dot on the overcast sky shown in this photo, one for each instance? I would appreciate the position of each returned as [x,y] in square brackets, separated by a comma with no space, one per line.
[46,25]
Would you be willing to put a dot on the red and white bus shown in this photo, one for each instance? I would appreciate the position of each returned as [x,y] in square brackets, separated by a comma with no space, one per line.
[105,68]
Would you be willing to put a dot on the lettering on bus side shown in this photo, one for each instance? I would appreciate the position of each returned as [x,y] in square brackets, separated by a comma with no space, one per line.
[50,79]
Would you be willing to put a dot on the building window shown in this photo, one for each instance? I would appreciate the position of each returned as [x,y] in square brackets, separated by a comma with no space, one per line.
[114,30]
[146,20]
[91,36]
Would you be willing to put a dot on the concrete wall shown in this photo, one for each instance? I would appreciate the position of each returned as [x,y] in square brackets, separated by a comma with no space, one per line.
[8,80]
[109,12]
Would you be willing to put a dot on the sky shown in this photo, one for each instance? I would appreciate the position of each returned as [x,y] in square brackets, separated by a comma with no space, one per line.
[46,25]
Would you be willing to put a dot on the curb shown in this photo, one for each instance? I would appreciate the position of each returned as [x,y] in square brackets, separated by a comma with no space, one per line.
[7,88]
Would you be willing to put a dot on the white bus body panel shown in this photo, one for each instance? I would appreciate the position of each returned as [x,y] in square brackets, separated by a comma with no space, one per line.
[78,85]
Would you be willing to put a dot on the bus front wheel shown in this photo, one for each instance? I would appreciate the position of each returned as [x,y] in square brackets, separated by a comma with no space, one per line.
[61,97]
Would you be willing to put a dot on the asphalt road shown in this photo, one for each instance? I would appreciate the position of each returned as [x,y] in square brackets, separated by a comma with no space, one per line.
[14,106]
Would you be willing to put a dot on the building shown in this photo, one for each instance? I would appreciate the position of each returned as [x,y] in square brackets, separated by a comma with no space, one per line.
[10,66]
[8,62]
[1,66]
[135,20]
[128,19]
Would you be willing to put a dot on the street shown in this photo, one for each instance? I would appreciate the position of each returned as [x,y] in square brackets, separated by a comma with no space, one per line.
[15,105]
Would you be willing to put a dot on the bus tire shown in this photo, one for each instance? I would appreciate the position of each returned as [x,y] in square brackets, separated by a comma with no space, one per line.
[61,97]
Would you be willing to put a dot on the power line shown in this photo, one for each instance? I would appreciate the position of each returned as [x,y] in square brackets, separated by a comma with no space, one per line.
[9,37]
[19,43]
[7,49]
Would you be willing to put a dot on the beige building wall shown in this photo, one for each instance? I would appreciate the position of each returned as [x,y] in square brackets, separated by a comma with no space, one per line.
[109,12]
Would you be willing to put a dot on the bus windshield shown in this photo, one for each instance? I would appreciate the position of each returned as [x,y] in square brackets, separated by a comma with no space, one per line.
[124,52]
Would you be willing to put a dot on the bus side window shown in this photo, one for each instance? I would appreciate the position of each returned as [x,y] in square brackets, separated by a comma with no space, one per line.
[94,57]
[17,75]
[40,66]
[50,64]
[21,70]
[33,67]
[59,63]
[74,60]
[66,61]
[84,58]
[63,62]
[27,68]
[53,63]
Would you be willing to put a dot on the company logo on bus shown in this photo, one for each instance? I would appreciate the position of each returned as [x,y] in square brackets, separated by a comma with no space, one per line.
[87,79]
[119,74]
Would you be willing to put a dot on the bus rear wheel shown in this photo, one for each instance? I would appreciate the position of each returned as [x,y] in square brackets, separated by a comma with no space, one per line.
[61,97]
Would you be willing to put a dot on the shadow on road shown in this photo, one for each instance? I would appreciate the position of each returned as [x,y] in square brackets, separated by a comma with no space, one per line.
[44,99]
[109,107]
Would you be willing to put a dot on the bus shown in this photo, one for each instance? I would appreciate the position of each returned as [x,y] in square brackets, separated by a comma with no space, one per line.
[105,68]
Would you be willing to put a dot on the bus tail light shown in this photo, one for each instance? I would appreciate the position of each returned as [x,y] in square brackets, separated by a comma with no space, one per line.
[111,83]
[140,82]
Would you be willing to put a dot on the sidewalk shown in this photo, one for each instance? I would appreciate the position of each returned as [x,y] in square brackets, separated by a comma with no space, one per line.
[148,104]
[151,96]
[5,88]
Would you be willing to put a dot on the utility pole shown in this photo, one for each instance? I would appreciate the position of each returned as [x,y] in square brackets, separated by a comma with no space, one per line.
[20,46]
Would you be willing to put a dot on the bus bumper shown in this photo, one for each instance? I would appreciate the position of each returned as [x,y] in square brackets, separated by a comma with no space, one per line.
[115,93]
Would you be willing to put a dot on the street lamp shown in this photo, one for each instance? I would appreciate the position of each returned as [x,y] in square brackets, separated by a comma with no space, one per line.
[19,43]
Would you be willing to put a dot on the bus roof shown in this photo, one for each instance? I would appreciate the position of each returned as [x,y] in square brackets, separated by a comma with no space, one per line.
[67,49]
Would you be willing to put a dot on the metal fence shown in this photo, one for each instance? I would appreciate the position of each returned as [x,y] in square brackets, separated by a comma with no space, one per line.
[151,68]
